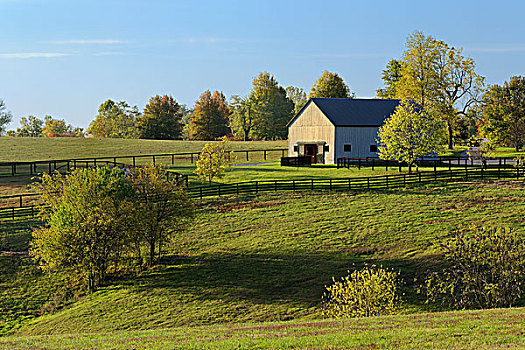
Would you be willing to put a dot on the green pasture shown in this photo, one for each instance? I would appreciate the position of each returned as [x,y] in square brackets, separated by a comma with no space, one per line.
[259,259]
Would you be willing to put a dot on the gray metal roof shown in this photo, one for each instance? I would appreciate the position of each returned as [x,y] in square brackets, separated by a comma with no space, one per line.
[356,112]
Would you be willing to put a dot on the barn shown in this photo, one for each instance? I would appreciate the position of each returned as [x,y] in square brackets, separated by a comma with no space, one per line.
[330,128]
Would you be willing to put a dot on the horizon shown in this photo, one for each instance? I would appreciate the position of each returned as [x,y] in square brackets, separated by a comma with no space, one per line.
[64,59]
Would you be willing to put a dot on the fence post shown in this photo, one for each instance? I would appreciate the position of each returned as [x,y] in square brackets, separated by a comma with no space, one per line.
[373,164]
[499,169]
[386,181]
[237,188]
[191,158]
[114,161]
[312,184]
[359,163]
[21,201]
[153,160]
[282,153]
[200,188]
[399,166]
[419,173]
[368,182]
[13,169]
[172,159]
[293,185]
[404,180]
[247,159]
[256,186]
[264,154]
[449,164]
[481,169]
[275,186]
[386,165]
[49,165]
[330,184]
[466,173]
[219,190]
[94,162]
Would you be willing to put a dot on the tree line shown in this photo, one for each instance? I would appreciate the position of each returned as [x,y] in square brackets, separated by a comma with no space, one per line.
[261,115]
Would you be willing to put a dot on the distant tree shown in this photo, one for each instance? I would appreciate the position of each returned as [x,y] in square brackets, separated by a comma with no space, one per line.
[59,128]
[116,120]
[297,96]
[330,85]
[213,159]
[440,79]
[161,119]
[30,126]
[185,121]
[391,75]
[5,117]
[163,209]
[504,113]
[408,134]
[87,215]
[272,109]
[241,117]
[210,117]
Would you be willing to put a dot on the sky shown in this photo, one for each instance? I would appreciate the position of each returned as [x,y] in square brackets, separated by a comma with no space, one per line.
[64,58]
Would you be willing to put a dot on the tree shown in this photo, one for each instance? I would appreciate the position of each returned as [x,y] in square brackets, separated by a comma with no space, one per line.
[241,117]
[297,96]
[30,126]
[504,112]
[5,117]
[330,85]
[163,209]
[485,268]
[408,134]
[439,78]
[210,117]
[271,109]
[161,119]
[59,128]
[213,159]
[116,120]
[371,291]
[391,75]
[87,215]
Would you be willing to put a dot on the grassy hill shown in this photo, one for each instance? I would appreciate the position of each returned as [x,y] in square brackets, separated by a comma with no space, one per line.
[263,258]
[19,149]
[487,329]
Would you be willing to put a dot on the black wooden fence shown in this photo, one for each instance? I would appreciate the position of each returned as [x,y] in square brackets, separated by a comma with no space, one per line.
[37,167]
[26,207]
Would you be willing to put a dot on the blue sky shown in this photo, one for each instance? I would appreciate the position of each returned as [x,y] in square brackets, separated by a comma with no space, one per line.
[64,58]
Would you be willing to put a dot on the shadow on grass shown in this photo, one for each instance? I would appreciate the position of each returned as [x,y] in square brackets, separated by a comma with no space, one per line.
[269,278]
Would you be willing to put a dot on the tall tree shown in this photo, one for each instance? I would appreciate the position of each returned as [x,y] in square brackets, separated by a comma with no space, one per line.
[210,117]
[271,108]
[241,117]
[30,126]
[161,119]
[330,85]
[298,97]
[408,134]
[5,117]
[504,112]
[115,119]
[439,78]
[391,75]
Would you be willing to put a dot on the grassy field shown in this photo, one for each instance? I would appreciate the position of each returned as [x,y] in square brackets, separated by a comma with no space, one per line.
[487,329]
[20,149]
[263,258]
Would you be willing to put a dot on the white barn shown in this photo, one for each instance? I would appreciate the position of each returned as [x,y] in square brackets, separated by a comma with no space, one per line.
[330,128]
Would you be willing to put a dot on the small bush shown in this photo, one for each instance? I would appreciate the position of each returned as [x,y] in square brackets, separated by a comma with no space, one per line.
[370,291]
[486,269]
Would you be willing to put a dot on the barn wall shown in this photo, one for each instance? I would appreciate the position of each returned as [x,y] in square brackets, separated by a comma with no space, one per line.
[360,139]
[312,126]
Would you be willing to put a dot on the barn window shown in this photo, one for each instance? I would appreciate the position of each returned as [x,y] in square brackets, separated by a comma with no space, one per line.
[326,148]
[373,148]
[296,149]
[348,148]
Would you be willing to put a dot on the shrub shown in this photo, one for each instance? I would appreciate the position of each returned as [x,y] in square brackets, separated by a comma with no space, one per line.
[486,269]
[371,291]
[213,159]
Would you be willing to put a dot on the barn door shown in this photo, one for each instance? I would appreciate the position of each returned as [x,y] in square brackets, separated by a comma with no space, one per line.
[310,151]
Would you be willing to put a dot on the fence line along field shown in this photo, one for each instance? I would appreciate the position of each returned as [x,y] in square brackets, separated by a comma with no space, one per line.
[28,149]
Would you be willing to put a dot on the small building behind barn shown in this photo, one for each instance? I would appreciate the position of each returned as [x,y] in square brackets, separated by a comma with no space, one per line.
[330,128]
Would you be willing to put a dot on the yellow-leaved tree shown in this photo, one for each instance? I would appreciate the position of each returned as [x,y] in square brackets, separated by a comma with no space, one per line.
[213,159]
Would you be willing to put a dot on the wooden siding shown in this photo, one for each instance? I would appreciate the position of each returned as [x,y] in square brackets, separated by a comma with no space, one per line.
[312,126]
[360,139]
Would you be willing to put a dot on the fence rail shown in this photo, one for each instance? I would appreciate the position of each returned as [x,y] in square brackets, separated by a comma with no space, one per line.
[443,162]
[29,210]
[36,167]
